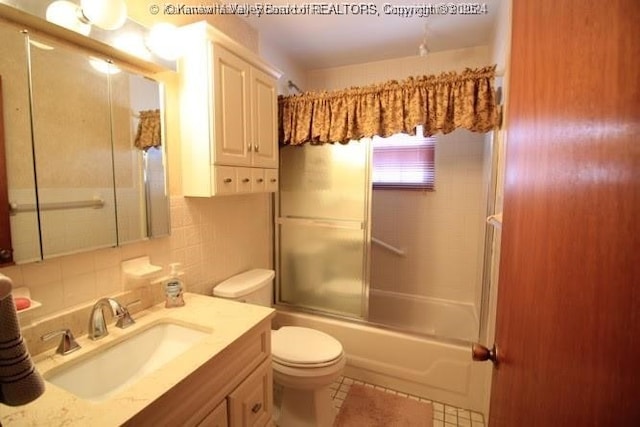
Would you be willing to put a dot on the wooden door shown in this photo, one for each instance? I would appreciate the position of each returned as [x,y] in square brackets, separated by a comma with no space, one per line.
[568,322]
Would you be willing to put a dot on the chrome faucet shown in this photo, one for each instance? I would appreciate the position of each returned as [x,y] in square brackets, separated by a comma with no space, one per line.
[67,344]
[97,324]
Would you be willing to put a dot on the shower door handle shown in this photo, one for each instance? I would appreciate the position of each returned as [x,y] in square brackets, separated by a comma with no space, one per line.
[480,353]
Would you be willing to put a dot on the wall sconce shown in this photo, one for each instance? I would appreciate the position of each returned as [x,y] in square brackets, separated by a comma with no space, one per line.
[106,14]
[106,21]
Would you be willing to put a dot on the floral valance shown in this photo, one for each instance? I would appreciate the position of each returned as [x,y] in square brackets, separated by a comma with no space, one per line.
[149,133]
[439,103]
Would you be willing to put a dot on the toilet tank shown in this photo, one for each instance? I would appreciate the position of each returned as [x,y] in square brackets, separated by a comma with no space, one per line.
[253,286]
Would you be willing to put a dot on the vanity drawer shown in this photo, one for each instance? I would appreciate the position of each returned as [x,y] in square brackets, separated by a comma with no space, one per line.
[250,403]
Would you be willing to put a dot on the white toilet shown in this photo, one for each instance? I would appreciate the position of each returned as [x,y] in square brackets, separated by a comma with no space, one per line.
[305,361]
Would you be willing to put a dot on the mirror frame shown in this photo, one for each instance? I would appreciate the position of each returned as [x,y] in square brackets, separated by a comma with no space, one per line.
[6,249]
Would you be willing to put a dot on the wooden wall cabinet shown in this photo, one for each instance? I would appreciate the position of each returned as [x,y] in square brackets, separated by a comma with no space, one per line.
[228,115]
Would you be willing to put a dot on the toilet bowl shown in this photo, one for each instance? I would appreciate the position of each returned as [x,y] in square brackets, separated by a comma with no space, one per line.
[305,361]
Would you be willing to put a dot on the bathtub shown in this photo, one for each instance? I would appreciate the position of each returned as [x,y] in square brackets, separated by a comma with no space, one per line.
[424,315]
[436,370]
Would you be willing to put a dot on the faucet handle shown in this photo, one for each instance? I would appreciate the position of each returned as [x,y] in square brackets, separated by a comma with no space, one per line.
[67,344]
[124,317]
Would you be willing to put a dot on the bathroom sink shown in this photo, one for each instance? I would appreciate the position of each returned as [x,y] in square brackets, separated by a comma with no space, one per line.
[103,373]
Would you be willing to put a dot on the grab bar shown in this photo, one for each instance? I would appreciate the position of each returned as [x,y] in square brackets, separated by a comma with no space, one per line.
[388,247]
[329,223]
[15,208]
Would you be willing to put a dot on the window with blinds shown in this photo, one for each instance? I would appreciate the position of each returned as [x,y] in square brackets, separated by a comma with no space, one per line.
[404,161]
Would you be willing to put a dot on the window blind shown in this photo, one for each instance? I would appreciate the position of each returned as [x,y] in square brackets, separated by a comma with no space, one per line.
[404,161]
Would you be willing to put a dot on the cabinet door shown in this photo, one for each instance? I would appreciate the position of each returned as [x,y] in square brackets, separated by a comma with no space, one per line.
[250,403]
[232,113]
[217,417]
[264,135]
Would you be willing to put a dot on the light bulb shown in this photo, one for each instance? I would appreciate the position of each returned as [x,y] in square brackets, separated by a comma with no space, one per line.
[106,14]
[65,14]
[164,41]
[133,44]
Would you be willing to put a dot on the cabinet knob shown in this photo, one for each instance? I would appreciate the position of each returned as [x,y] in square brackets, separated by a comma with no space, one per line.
[227,180]
[273,180]
[255,408]
[246,180]
[260,180]
[256,148]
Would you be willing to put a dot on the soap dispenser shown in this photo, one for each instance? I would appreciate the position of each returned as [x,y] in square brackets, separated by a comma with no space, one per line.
[173,287]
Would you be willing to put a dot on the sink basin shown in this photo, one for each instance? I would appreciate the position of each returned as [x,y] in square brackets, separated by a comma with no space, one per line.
[102,374]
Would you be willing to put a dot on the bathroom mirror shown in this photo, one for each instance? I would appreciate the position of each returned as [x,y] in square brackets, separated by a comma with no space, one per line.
[78,176]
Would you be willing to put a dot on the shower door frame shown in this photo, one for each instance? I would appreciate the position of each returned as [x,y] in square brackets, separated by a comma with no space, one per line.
[487,270]
[366,226]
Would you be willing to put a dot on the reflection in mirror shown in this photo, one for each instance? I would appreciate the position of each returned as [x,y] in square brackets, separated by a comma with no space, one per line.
[72,128]
[141,193]
[72,145]
[25,236]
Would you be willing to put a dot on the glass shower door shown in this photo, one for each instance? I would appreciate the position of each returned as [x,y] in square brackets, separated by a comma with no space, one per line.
[323,227]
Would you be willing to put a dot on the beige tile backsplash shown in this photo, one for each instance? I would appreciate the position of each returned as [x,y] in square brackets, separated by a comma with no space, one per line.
[213,238]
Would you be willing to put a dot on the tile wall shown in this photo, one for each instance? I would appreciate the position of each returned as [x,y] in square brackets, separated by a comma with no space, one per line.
[213,238]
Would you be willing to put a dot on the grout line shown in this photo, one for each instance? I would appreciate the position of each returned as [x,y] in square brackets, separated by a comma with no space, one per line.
[443,415]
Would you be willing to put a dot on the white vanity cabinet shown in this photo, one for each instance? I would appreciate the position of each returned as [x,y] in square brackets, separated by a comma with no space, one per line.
[228,116]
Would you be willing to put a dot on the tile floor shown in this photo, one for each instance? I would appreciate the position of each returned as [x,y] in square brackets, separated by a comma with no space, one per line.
[443,415]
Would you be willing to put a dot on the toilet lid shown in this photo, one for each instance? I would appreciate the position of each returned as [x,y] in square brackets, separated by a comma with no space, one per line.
[304,346]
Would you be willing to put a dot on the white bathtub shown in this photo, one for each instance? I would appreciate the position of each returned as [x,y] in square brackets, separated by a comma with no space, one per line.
[416,365]
[423,315]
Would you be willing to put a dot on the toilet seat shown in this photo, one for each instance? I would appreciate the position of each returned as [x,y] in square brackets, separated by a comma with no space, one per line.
[300,347]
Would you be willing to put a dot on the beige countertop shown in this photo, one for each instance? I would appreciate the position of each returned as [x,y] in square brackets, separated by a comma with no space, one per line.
[226,321]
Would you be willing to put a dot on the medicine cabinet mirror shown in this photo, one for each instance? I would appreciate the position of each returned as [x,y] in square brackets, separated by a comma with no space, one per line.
[81,173]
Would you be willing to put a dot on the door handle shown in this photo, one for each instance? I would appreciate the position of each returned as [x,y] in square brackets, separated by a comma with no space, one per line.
[480,353]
